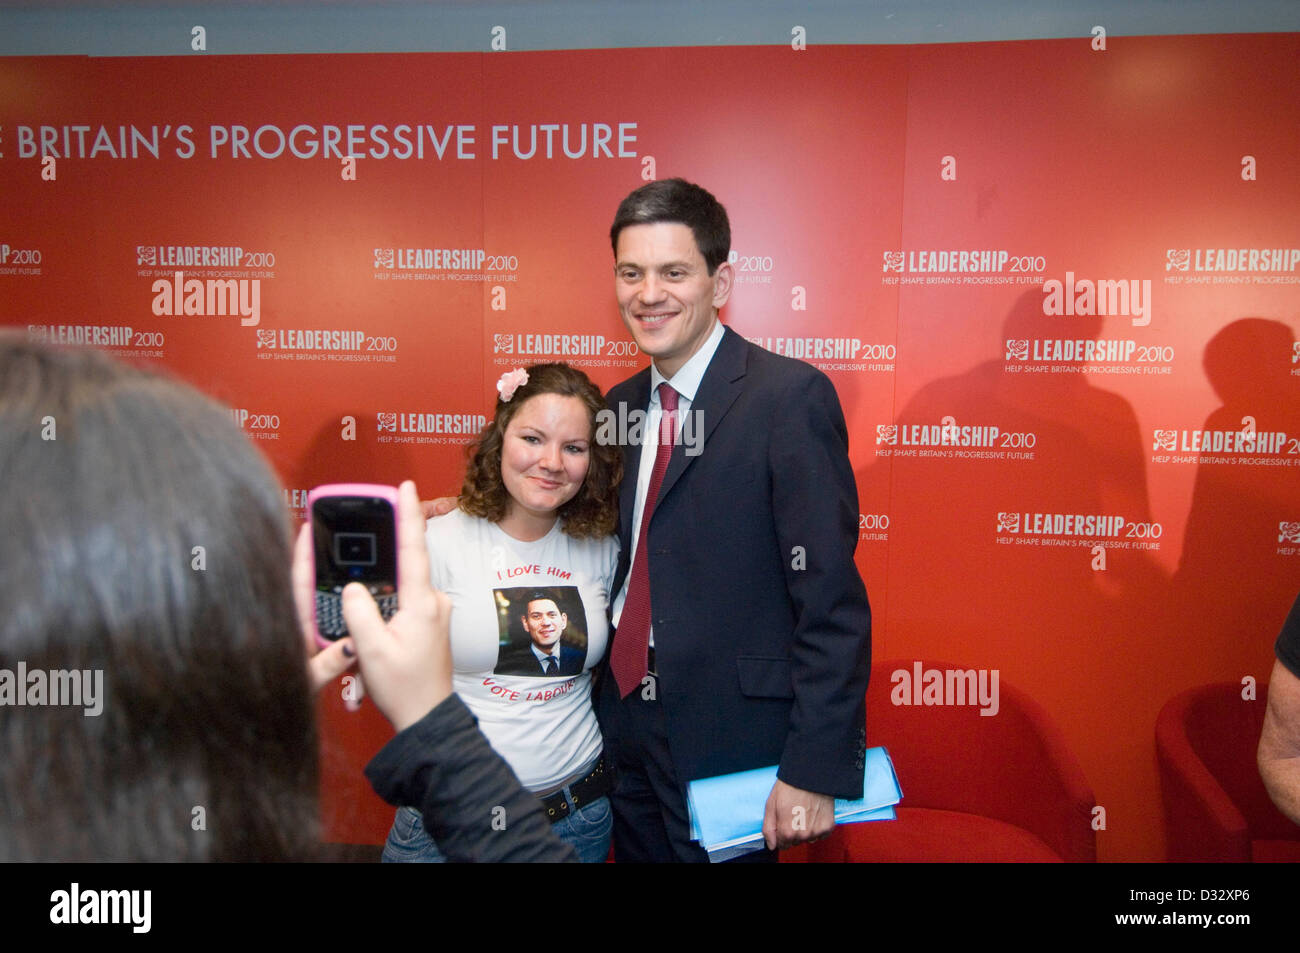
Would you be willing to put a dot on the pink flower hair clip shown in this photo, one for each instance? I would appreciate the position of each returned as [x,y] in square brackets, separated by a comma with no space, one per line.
[510,382]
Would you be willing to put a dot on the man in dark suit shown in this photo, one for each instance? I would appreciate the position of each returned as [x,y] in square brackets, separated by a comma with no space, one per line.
[743,635]
[546,653]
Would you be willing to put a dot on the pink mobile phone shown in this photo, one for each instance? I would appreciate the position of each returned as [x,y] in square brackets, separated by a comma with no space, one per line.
[354,539]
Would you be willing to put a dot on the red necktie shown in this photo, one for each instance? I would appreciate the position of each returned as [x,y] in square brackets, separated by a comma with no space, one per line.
[632,640]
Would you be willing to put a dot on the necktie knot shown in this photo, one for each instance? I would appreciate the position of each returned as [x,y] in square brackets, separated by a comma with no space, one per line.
[668,398]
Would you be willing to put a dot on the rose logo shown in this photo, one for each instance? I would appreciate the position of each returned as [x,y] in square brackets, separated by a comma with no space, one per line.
[1018,350]
[893,261]
[383,258]
[265,339]
[146,255]
[1288,532]
[1177,259]
[388,422]
[1165,440]
[1008,522]
[886,433]
[503,344]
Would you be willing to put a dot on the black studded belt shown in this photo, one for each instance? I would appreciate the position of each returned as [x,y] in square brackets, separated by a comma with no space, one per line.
[582,792]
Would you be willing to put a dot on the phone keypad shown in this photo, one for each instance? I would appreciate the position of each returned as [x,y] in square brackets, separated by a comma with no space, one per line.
[329,610]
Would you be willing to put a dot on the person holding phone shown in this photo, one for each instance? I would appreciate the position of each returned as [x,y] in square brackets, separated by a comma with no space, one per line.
[145,562]
[528,558]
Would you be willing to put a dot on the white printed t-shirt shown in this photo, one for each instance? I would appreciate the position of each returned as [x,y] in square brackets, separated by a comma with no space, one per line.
[543,726]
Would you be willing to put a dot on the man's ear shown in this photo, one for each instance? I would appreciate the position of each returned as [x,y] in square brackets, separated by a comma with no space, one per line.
[723,279]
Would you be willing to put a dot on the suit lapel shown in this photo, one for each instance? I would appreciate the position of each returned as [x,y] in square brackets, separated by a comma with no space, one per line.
[721,385]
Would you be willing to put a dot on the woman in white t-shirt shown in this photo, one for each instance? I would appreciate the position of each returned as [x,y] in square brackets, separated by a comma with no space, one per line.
[528,560]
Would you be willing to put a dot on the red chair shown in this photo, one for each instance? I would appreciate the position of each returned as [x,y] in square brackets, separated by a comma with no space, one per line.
[1216,808]
[978,788]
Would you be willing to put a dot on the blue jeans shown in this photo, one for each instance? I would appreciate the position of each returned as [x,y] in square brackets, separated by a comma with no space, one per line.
[587,829]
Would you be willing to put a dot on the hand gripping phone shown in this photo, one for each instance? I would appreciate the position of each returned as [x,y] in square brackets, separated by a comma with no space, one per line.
[354,539]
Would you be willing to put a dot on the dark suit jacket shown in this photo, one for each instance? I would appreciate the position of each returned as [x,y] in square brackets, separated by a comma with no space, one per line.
[522,661]
[761,623]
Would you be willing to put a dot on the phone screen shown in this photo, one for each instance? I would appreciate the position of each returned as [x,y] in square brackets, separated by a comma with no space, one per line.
[355,539]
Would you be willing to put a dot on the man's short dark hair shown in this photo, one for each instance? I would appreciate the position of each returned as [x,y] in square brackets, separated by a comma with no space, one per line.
[683,203]
[540,595]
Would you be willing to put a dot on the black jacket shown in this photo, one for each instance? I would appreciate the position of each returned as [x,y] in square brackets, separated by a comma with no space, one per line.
[474,807]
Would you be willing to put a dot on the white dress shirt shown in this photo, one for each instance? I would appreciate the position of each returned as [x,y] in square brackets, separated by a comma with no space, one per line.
[687,383]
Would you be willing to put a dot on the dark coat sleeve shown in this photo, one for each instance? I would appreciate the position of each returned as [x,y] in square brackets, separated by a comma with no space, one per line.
[473,805]
[815,504]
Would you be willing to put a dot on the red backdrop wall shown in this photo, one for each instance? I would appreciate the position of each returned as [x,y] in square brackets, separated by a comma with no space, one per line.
[899,217]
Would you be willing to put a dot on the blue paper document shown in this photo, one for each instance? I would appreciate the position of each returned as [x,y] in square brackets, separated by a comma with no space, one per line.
[727,811]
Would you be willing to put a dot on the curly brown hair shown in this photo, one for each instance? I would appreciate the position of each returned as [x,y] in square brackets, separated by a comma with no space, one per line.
[593,511]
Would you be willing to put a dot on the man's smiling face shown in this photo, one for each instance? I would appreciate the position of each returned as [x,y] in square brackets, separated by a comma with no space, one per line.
[545,623]
[666,295]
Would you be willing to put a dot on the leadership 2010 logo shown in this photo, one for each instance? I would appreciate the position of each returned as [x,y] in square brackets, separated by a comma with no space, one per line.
[428,428]
[754,269]
[950,440]
[873,526]
[1232,266]
[960,266]
[1249,446]
[1057,530]
[352,346]
[576,348]
[1288,538]
[256,425]
[1075,355]
[19,261]
[119,339]
[394,263]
